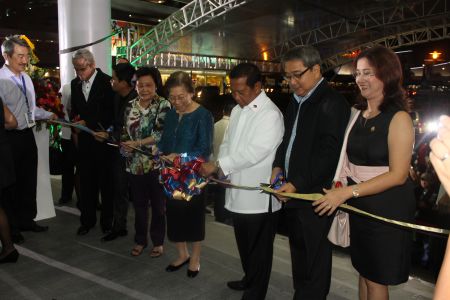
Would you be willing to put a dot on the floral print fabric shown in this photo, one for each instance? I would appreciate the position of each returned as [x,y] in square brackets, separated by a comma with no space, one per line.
[141,123]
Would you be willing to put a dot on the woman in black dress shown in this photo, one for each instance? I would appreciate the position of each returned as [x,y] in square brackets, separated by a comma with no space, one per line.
[7,120]
[382,138]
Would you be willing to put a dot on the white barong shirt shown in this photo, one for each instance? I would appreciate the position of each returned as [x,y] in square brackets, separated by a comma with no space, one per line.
[247,153]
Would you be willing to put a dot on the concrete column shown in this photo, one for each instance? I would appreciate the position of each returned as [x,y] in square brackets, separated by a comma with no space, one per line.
[82,22]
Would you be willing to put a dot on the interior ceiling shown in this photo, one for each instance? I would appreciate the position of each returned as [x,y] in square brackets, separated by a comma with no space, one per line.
[243,32]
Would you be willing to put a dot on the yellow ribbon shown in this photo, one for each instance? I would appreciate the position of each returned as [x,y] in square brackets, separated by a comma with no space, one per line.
[314,197]
[317,196]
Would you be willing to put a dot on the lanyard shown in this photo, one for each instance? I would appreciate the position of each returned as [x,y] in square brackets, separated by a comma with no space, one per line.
[23,89]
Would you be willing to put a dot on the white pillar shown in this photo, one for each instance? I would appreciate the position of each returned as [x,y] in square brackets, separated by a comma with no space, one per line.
[82,22]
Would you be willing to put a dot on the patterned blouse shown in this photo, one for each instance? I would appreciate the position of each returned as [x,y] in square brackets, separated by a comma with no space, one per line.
[139,124]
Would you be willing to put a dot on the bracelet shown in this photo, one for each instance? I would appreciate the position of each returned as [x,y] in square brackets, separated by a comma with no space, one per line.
[355,191]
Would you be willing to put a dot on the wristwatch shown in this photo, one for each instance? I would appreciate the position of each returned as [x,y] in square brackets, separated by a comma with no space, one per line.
[217,164]
[355,191]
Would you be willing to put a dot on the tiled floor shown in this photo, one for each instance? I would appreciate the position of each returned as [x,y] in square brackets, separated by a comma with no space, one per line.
[61,265]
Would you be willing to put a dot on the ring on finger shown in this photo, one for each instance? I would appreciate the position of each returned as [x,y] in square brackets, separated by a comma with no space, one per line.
[445,156]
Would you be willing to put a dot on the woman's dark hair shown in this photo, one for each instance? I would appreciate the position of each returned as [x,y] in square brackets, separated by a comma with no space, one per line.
[124,72]
[179,78]
[388,70]
[154,74]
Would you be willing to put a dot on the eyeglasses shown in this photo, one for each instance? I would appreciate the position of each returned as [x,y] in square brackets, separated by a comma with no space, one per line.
[295,75]
[363,74]
[180,97]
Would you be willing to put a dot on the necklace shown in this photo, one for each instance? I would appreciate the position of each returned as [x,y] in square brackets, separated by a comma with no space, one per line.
[365,116]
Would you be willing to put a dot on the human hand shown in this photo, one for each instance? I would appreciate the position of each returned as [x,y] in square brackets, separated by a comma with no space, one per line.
[285,188]
[170,157]
[440,152]
[79,122]
[332,199]
[101,136]
[207,169]
[129,145]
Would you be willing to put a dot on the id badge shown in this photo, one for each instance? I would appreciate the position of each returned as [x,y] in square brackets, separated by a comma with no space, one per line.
[29,119]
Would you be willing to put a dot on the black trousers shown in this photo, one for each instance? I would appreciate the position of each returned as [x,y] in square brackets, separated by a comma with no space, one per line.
[310,253]
[147,192]
[121,195]
[254,236]
[68,170]
[20,205]
[95,176]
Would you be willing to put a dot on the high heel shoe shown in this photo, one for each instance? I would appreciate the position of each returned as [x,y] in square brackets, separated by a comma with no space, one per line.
[192,274]
[172,268]
[12,257]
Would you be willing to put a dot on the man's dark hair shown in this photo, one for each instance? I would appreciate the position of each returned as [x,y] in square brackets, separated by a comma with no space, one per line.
[124,72]
[248,70]
[155,74]
[309,55]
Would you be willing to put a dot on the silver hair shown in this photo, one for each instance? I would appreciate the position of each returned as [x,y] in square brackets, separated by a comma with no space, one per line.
[9,43]
[307,54]
[83,54]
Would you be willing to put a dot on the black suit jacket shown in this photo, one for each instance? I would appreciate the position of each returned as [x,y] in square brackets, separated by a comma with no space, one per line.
[99,107]
[315,151]
[120,103]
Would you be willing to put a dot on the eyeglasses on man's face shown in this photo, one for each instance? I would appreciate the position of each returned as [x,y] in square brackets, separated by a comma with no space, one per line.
[364,74]
[295,75]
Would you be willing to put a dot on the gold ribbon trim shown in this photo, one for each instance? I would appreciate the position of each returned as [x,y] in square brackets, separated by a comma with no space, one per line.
[314,197]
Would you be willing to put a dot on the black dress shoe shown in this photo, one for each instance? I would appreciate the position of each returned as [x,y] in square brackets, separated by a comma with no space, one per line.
[192,274]
[12,257]
[17,238]
[172,268]
[237,285]
[114,235]
[83,230]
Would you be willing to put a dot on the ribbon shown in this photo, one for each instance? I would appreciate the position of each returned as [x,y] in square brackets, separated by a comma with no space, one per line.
[75,48]
[182,181]
[314,197]
[74,125]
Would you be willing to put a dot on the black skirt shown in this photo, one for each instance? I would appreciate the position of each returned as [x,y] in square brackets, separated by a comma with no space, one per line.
[381,252]
[186,220]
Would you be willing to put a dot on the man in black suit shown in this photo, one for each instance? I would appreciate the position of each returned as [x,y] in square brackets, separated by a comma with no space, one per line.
[92,106]
[122,85]
[315,122]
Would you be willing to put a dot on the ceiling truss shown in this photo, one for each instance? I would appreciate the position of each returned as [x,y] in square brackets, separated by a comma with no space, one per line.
[190,17]
[407,12]
[417,36]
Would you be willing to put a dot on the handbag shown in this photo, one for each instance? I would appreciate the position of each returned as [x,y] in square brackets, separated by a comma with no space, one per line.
[339,233]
